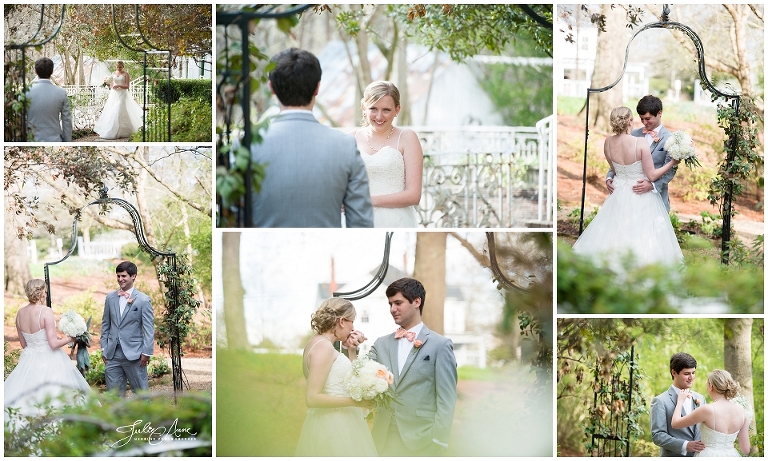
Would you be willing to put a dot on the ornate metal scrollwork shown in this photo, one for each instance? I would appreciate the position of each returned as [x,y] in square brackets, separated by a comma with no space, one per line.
[377,279]
[138,229]
[735,100]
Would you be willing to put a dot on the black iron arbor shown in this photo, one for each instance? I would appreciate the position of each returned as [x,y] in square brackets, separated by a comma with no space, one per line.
[733,99]
[128,27]
[172,294]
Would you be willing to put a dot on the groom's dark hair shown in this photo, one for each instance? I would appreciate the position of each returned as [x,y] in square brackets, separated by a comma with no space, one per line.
[680,361]
[410,288]
[649,104]
[44,67]
[295,76]
[127,266]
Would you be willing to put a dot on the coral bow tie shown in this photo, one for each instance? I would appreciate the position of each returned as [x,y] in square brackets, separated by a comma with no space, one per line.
[124,294]
[409,335]
[650,132]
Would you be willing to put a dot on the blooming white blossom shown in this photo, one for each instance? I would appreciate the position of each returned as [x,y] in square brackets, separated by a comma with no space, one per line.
[744,403]
[369,380]
[679,146]
[72,324]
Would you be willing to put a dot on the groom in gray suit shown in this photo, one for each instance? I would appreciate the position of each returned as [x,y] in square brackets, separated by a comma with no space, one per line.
[649,110]
[48,115]
[424,367]
[127,333]
[310,170]
[676,442]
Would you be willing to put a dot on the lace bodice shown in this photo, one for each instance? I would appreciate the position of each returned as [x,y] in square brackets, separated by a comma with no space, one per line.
[386,171]
[36,340]
[714,439]
[119,79]
[334,384]
[631,172]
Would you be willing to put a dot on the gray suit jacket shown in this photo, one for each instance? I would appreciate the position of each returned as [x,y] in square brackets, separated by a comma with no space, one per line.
[660,158]
[671,440]
[48,114]
[134,330]
[425,390]
[311,170]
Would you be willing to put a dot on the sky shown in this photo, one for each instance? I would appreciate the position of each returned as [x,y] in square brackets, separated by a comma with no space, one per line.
[281,271]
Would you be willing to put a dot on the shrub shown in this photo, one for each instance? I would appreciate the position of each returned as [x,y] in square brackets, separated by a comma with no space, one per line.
[132,251]
[11,358]
[200,89]
[95,376]
[84,304]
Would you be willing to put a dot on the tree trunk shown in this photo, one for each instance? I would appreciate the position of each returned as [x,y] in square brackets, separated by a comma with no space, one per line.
[609,61]
[402,82]
[737,356]
[17,272]
[429,269]
[234,312]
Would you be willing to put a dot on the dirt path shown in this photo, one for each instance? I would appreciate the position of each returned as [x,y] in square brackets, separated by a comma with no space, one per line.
[749,221]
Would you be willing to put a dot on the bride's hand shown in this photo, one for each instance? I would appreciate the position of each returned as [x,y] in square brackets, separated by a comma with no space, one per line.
[364,404]
[355,339]
[683,395]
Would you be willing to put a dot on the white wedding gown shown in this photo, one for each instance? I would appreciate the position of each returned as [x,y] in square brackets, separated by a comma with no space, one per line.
[41,374]
[630,222]
[386,175]
[121,116]
[717,444]
[340,431]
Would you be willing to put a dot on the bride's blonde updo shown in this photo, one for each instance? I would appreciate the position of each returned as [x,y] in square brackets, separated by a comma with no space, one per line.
[722,382]
[35,289]
[376,91]
[329,311]
[620,118]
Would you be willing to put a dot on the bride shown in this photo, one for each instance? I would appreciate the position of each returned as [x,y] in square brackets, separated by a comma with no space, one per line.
[393,158]
[334,425]
[121,116]
[724,420]
[44,371]
[627,221]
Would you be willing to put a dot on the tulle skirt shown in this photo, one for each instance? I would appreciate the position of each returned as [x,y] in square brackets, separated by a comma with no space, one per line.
[630,222]
[335,432]
[121,116]
[42,378]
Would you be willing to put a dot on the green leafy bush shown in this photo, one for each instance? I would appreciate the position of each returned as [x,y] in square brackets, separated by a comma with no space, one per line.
[84,304]
[133,251]
[200,89]
[10,359]
[95,376]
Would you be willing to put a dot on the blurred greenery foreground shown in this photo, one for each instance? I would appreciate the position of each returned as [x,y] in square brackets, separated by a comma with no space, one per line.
[703,285]
[148,424]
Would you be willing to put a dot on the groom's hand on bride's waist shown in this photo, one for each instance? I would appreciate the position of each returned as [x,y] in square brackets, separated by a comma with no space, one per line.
[642,186]
[695,446]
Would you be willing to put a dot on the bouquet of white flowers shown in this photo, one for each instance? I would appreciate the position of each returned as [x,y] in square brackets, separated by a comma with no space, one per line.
[72,324]
[679,146]
[370,380]
[744,403]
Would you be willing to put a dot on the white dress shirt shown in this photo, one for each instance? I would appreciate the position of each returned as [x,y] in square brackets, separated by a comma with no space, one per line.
[124,301]
[405,347]
[687,408]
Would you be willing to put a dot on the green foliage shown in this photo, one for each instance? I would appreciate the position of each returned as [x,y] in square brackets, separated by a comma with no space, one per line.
[271,417]
[569,105]
[742,147]
[463,31]
[199,89]
[522,94]
[95,376]
[743,256]
[584,287]
[101,427]
[16,102]
[84,304]
[10,359]
[201,333]
[177,318]
[202,243]
[575,216]
[133,251]
[709,224]
[191,119]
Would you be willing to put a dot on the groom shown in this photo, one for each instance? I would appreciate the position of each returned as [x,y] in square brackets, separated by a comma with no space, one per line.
[48,115]
[649,110]
[127,333]
[676,442]
[310,170]
[424,366]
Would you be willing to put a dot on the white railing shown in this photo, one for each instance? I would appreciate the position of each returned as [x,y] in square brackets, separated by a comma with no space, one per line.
[109,249]
[487,176]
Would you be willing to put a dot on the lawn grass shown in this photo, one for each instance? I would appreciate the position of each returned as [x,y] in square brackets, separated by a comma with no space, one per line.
[260,408]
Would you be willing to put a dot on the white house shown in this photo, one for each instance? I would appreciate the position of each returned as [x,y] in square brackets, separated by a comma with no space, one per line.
[374,319]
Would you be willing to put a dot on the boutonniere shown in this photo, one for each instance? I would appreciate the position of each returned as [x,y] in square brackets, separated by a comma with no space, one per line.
[656,139]
[130,301]
[697,402]
[416,345]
